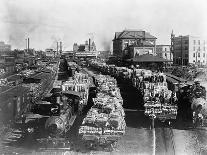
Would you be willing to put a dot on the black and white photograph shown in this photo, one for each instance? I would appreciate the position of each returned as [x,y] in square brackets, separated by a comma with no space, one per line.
[103,77]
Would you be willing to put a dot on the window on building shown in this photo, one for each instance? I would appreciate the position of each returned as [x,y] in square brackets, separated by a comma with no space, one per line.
[165,54]
[203,61]
[186,42]
[203,54]
[194,42]
[186,55]
[186,47]
[193,54]
[199,48]
[198,54]
[165,49]
[198,42]
[199,61]
[194,48]
[193,60]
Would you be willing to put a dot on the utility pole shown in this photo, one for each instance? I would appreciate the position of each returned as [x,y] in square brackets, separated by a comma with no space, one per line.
[153,132]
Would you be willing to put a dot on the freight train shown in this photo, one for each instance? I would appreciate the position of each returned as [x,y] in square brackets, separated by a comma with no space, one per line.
[50,118]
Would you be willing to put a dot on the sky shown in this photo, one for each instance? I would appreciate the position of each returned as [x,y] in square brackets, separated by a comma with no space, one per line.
[73,21]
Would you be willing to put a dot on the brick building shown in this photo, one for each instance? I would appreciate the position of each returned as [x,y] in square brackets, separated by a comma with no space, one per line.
[189,49]
[163,51]
[132,43]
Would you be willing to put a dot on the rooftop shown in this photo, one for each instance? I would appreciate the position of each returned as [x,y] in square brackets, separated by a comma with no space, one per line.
[163,45]
[131,34]
[148,58]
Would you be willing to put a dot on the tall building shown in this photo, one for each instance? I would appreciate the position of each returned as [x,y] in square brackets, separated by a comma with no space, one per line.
[164,51]
[4,47]
[189,49]
[132,43]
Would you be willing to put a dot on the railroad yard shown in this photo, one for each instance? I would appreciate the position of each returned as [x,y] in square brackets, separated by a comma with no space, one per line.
[143,135]
[104,77]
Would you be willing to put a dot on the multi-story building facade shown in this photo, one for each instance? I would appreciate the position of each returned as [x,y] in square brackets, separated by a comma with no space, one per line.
[189,49]
[130,43]
[164,51]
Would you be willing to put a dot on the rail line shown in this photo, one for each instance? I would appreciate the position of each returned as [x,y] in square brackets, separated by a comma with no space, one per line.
[168,137]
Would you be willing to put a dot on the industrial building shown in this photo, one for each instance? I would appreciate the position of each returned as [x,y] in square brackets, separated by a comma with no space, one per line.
[88,46]
[189,50]
[85,50]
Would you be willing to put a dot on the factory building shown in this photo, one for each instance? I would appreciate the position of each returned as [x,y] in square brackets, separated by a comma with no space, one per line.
[88,46]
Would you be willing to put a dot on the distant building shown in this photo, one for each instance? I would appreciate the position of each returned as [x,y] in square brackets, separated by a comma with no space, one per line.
[164,52]
[4,47]
[49,52]
[7,62]
[75,47]
[132,43]
[188,49]
[20,56]
[104,54]
[88,46]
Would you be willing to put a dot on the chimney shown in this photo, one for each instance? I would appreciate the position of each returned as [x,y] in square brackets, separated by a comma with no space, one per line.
[57,48]
[28,44]
[89,46]
[60,47]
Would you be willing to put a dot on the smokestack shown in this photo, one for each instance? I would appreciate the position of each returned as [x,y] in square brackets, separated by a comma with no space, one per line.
[57,47]
[60,47]
[89,46]
[28,44]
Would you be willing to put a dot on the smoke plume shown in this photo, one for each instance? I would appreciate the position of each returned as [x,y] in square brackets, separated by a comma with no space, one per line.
[48,21]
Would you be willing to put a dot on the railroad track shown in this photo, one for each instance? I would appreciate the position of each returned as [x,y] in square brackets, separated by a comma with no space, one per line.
[168,138]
